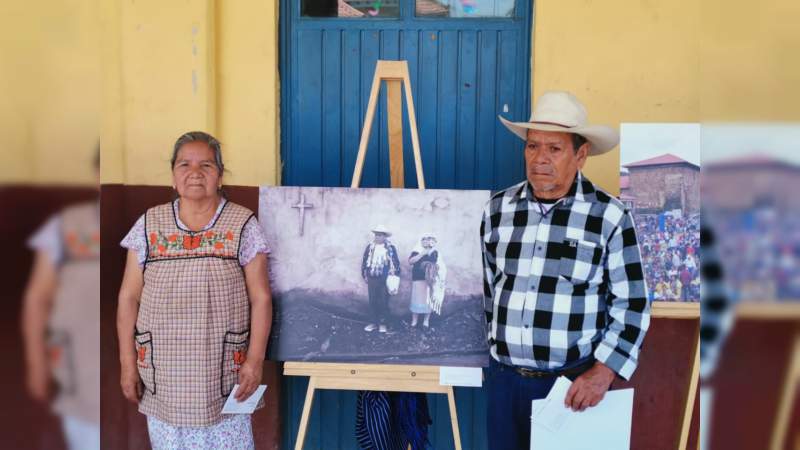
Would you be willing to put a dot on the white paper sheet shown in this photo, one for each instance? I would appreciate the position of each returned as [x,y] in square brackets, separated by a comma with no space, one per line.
[706,403]
[606,426]
[461,376]
[552,414]
[232,406]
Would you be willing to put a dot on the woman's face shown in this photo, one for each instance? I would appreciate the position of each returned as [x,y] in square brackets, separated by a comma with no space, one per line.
[195,174]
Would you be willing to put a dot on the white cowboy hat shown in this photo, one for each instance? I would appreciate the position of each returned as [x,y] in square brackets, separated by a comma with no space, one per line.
[562,111]
[381,229]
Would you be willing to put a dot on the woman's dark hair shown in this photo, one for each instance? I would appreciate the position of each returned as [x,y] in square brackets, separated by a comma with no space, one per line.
[199,136]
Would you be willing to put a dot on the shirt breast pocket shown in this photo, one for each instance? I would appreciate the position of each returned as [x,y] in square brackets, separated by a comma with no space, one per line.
[580,260]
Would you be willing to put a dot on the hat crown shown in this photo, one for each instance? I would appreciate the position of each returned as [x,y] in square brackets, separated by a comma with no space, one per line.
[561,108]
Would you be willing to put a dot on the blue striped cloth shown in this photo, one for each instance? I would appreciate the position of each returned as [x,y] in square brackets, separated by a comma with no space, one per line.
[392,421]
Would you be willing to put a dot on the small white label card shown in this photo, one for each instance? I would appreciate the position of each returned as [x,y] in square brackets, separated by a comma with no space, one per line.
[232,406]
[461,376]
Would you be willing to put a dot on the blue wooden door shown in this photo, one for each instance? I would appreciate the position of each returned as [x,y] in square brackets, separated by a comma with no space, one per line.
[469,61]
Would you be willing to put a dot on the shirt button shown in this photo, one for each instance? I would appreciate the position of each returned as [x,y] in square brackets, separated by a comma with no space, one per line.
[527,326]
[539,247]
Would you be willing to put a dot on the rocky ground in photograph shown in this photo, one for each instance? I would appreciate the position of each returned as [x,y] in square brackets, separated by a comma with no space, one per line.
[308,329]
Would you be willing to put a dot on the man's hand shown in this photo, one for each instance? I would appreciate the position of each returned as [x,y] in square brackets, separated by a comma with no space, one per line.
[249,378]
[588,389]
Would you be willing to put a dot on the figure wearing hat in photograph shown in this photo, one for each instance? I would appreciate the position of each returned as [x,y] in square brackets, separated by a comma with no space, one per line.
[563,282]
[380,260]
[423,258]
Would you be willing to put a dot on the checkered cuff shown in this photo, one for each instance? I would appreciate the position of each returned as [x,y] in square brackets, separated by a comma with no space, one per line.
[622,364]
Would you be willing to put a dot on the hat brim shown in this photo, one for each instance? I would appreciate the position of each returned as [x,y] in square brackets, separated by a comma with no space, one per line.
[602,138]
[387,233]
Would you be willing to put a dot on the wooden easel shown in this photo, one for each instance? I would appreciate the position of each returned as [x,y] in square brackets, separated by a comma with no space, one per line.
[379,377]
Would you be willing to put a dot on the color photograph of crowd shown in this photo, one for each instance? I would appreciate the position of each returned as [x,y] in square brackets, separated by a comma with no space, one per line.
[669,246]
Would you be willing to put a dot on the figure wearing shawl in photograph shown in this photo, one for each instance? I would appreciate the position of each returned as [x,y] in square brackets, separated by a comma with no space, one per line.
[428,273]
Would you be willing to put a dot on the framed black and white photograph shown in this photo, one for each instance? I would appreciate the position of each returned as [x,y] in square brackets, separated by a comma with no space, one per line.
[376,275]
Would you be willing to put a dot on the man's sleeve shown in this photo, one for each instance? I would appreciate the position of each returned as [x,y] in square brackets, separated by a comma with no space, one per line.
[626,302]
[489,263]
[364,262]
[396,261]
[716,305]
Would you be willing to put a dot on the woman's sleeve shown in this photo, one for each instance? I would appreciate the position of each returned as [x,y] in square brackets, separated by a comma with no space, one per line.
[136,240]
[254,241]
[48,239]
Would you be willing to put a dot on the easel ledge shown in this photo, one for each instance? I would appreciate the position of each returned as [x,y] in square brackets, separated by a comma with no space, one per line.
[370,377]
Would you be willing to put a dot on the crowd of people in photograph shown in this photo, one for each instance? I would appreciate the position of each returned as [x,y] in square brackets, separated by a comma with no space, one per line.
[760,250]
[670,246]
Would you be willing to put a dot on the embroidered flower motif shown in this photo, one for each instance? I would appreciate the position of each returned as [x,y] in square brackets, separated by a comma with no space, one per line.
[82,244]
[142,352]
[210,243]
[55,355]
[239,357]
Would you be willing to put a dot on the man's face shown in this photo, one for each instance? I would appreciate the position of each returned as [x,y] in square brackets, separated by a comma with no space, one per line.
[380,238]
[551,163]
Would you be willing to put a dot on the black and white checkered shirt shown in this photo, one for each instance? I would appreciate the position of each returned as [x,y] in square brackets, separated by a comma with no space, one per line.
[562,286]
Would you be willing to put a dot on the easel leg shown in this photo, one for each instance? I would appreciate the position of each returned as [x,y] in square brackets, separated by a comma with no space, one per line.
[692,392]
[451,400]
[301,433]
[783,415]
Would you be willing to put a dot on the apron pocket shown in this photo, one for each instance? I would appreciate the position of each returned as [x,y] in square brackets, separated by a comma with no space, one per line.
[234,353]
[62,360]
[144,360]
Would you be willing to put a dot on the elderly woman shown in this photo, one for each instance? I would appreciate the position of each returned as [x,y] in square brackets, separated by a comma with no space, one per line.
[194,307]
[61,320]
[421,258]
[379,261]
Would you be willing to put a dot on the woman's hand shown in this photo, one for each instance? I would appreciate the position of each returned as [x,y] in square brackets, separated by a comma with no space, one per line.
[38,382]
[131,383]
[249,378]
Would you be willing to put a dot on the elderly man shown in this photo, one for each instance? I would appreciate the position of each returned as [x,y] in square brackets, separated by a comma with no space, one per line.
[379,261]
[563,283]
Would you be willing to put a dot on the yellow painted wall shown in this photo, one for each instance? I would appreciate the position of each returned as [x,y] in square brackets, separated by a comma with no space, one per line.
[49,91]
[195,65]
[669,61]
[166,67]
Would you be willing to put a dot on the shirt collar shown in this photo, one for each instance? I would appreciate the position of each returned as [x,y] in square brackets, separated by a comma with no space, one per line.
[582,190]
